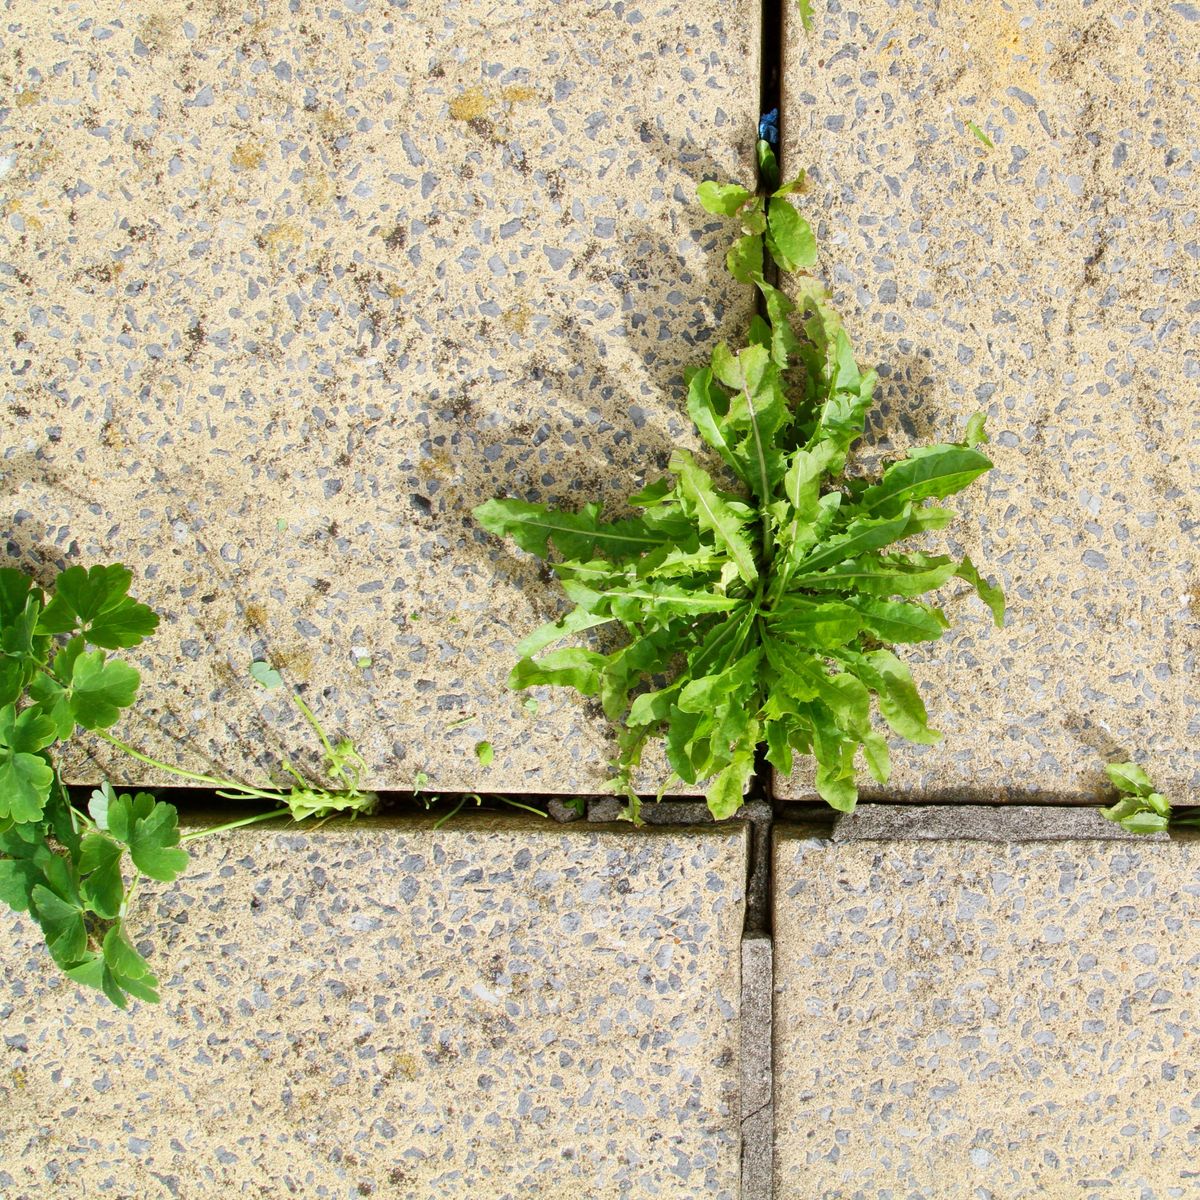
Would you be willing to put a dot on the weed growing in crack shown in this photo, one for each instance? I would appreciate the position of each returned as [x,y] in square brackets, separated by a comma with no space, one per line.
[1142,808]
[780,585]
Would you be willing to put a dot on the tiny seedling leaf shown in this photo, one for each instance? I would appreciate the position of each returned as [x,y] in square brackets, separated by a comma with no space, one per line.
[266,674]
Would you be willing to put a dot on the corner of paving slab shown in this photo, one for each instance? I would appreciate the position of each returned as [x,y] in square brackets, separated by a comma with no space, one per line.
[501,1006]
[979,999]
[325,302]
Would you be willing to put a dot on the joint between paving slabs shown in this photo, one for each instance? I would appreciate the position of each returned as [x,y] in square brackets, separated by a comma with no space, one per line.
[756,1117]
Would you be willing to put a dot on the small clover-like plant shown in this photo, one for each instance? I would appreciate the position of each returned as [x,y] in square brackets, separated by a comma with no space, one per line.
[65,867]
[769,596]
[76,872]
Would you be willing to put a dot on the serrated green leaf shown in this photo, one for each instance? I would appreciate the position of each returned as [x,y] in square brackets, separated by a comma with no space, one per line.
[642,600]
[895,692]
[989,593]
[94,602]
[714,513]
[723,199]
[877,756]
[721,644]
[150,829]
[686,743]
[1129,777]
[760,332]
[727,791]
[976,432]
[656,493]
[576,621]
[62,924]
[806,14]
[834,753]
[929,519]
[900,621]
[626,668]
[863,534]
[1145,822]
[842,415]
[802,481]
[818,624]
[928,472]
[100,689]
[785,343]
[576,536]
[1123,808]
[882,575]
[570,667]
[793,667]
[745,259]
[779,750]
[759,407]
[102,888]
[754,219]
[790,238]
[706,693]
[708,406]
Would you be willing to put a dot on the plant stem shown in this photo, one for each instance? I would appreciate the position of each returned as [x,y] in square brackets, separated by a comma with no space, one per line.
[452,813]
[199,833]
[192,775]
[310,716]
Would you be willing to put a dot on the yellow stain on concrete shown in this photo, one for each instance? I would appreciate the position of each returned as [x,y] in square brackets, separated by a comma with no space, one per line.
[517,319]
[248,156]
[469,105]
[278,239]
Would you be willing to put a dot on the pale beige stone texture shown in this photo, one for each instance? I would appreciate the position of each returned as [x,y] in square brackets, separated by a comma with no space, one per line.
[288,289]
[1050,281]
[986,1018]
[499,1008]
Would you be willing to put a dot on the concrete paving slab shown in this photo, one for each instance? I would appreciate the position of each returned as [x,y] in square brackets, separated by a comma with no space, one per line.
[1049,280]
[289,290]
[985,1018]
[500,1008]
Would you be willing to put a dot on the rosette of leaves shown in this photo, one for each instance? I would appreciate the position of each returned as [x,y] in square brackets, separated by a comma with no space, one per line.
[66,868]
[769,595]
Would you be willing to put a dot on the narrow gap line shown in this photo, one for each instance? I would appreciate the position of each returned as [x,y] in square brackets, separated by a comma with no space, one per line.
[762,786]
[757,1037]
